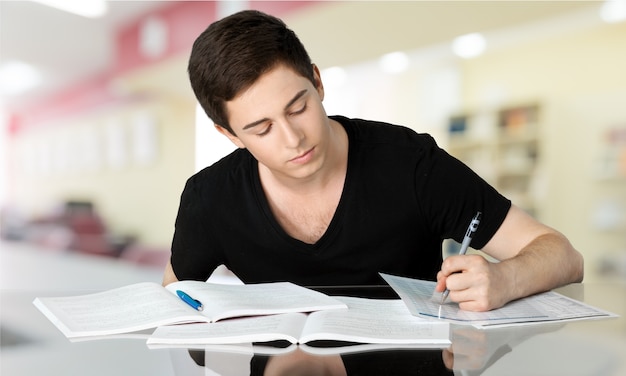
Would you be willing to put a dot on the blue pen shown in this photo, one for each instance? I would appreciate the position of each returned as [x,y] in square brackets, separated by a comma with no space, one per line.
[195,304]
[473,226]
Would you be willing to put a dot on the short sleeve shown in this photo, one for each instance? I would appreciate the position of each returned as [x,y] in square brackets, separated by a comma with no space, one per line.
[450,194]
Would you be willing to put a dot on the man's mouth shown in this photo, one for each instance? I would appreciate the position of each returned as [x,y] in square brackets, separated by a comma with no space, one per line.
[303,158]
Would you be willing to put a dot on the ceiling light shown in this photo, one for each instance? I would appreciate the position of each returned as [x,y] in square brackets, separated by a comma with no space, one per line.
[394,62]
[85,8]
[613,11]
[17,77]
[469,45]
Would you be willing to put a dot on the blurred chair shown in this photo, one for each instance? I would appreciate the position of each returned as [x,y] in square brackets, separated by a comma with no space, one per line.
[90,233]
[77,227]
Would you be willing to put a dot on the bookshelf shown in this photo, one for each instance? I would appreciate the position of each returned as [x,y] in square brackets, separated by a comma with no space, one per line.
[503,146]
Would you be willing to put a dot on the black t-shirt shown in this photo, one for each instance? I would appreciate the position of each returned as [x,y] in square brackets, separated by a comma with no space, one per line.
[402,196]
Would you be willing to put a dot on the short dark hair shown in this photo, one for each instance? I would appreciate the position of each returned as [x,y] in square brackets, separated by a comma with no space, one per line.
[232,53]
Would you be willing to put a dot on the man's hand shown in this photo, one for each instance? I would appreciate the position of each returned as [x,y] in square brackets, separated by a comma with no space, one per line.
[475,283]
[533,258]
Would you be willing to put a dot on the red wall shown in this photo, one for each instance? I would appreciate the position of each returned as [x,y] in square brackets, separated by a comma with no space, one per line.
[185,20]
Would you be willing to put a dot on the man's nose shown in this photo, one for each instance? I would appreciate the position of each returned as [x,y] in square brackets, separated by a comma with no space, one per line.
[292,134]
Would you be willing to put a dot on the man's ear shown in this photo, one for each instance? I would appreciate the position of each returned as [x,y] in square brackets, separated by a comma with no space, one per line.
[318,81]
[234,139]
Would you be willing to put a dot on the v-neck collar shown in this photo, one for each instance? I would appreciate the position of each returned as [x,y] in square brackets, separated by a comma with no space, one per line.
[335,223]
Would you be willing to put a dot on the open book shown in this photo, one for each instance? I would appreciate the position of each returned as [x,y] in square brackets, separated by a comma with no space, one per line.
[367,321]
[148,305]
[549,306]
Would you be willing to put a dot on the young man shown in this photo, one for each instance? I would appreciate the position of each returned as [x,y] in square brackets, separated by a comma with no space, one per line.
[319,200]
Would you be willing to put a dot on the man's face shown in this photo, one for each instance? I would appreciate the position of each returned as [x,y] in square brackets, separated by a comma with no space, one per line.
[281,121]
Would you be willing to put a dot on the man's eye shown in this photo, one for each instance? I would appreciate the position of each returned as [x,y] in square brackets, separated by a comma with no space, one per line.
[299,111]
[265,131]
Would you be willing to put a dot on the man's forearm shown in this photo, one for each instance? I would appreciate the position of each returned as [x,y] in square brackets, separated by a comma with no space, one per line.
[547,262]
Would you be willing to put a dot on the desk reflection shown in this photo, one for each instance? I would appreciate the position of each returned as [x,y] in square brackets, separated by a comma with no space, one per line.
[472,352]
[298,362]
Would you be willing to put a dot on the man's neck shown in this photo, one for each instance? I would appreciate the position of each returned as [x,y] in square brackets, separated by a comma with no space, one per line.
[305,207]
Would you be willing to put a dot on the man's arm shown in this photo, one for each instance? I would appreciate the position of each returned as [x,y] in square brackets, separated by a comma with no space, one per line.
[534,258]
[168,275]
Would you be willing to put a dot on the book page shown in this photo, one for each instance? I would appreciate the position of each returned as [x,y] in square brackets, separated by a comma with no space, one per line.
[374,321]
[224,301]
[366,321]
[129,308]
[285,326]
[549,306]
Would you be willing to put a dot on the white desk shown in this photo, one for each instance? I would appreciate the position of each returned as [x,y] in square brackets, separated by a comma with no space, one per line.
[584,348]
[27,272]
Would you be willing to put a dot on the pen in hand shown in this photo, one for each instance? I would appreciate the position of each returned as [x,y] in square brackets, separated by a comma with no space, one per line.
[473,226]
[195,304]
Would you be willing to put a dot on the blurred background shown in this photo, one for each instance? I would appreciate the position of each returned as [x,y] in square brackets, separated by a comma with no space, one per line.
[100,130]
